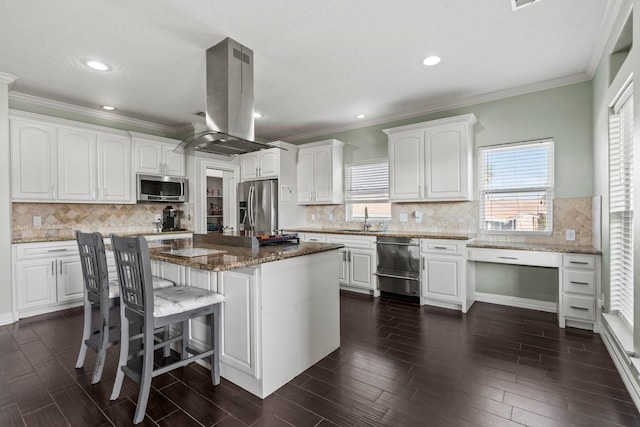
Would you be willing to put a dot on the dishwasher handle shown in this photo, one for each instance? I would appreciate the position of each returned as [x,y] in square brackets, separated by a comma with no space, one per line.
[393,276]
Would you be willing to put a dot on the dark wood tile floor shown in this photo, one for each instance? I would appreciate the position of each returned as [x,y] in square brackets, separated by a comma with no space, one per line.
[399,365]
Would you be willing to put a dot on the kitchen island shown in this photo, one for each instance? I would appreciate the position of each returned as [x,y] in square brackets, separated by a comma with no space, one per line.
[281,311]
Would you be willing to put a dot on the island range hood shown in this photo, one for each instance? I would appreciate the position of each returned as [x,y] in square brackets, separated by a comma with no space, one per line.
[230,128]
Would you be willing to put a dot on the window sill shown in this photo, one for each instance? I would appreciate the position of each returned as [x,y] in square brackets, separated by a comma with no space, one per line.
[621,332]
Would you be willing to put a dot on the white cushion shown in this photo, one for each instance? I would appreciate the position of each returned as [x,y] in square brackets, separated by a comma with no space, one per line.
[178,299]
[158,283]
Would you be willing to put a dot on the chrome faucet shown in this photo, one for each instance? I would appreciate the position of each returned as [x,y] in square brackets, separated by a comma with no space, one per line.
[366,226]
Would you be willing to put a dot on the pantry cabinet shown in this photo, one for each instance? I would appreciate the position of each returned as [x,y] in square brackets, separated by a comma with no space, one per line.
[156,156]
[320,173]
[55,160]
[431,161]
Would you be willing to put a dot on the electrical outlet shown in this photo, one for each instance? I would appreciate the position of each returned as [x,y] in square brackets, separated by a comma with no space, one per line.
[418,216]
[331,217]
[313,217]
[158,217]
[571,235]
[403,217]
[37,221]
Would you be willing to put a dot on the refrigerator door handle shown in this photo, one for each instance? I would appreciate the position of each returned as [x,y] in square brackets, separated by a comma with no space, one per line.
[252,199]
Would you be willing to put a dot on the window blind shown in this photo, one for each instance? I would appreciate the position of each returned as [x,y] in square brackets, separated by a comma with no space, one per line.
[621,206]
[367,182]
[516,187]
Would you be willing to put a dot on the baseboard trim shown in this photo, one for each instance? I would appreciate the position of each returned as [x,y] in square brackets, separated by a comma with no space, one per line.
[531,304]
[7,319]
[622,362]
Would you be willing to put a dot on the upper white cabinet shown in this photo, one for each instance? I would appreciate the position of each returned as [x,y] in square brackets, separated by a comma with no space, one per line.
[264,164]
[320,176]
[155,155]
[55,160]
[431,161]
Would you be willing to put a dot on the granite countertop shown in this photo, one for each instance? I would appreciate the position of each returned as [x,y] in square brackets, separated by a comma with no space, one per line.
[376,233]
[231,257]
[544,247]
[68,237]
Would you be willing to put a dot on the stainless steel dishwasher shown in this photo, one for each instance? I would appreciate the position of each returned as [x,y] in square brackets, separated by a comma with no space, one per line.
[398,268]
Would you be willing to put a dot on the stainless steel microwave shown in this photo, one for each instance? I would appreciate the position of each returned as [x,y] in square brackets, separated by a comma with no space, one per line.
[156,188]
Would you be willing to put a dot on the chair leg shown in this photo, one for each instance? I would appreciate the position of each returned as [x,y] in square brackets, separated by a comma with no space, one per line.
[104,342]
[166,350]
[86,333]
[124,354]
[186,333]
[146,374]
[215,342]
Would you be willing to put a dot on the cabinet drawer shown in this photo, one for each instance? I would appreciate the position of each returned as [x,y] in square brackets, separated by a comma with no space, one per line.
[364,242]
[578,307]
[517,257]
[45,250]
[441,247]
[582,262]
[312,237]
[580,282]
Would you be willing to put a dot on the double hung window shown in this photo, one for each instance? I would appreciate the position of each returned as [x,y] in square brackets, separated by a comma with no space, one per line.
[367,185]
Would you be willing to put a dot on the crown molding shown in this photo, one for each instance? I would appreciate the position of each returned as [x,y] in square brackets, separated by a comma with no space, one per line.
[63,106]
[7,78]
[604,32]
[449,105]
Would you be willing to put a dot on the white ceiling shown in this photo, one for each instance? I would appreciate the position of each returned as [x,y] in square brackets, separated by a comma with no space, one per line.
[317,63]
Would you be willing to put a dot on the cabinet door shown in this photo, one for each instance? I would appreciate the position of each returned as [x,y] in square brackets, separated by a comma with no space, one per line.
[406,167]
[269,163]
[148,156]
[322,174]
[115,179]
[77,171]
[34,161]
[441,278]
[361,267]
[305,176]
[173,163]
[35,283]
[446,163]
[343,268]
[249,164]
[239,339]
[70,284]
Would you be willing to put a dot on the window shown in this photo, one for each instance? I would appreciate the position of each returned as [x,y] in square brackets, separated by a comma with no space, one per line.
[367,185]
[516,187]
[621,206]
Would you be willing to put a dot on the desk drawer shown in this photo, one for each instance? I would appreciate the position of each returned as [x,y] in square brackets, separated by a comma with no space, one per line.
[580,282]
[581,262]
[518,257]
[580,308]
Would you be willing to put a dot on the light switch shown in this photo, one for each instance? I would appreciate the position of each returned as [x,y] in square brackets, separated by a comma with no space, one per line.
[404,217]
[158,217]
[571,235]
[37,221]
[330,217]
[313,217]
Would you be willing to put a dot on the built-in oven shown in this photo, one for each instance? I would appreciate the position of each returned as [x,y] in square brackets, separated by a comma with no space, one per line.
[398,268]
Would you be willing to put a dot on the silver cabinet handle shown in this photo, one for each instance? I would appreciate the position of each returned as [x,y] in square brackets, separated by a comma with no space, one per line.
[58,250]
[440,247]
[349,256]
[344,256]
[60,268]
[579,308]
[579,283]
[579,262]
[52,272]
[507,257]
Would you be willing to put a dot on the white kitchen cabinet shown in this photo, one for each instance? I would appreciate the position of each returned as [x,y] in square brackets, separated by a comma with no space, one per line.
[240,312]
[263,164]
[320,173]
[357,262]
[579,291]
[47,277]
[57,160]
[34,160]
[156,156]
[432,161]
[443,277]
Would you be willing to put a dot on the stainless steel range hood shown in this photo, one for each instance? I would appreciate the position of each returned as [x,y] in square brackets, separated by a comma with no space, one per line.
[230,128]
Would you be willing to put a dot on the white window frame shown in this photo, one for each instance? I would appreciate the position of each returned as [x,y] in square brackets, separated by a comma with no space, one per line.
[621,200]
[485,190]
[367,195]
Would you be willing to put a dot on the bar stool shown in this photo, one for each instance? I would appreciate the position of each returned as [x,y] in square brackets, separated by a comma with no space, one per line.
[102,293]
[154,309]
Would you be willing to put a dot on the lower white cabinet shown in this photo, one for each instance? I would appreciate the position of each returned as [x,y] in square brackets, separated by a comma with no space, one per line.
[239,340]
[443,275]
[47,277]
[579,291]
[357,262]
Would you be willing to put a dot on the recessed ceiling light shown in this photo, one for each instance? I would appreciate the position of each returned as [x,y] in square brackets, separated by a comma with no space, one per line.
[108,107]
[257,115]
[360,116]
[97,65]
[431,60]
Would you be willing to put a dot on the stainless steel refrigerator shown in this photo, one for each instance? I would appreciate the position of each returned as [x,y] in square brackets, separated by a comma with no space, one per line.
[258,206]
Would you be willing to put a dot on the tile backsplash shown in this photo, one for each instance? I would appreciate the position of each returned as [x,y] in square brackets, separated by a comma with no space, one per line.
[462,217]
[61,219]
